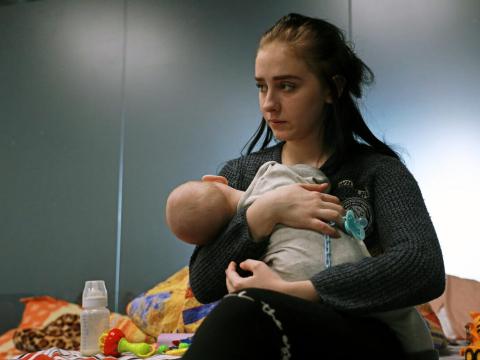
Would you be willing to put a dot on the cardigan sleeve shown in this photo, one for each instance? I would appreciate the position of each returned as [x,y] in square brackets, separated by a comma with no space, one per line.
[208,263]
[410,271]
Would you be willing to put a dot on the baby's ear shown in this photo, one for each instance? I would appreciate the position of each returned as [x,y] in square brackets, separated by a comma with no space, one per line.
[215,178]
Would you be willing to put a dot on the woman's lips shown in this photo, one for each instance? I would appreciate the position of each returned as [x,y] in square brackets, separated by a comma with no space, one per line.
[277,122]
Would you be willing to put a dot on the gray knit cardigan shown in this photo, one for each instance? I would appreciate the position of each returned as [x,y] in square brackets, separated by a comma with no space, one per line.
[406,268]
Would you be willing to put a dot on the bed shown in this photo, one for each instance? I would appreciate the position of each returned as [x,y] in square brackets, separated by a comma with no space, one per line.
[50,327]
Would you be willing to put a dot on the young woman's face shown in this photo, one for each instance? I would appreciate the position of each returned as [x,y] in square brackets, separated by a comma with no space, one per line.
[291,97]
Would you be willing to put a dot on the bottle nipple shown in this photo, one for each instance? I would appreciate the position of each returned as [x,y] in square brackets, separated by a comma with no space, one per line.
[94,294]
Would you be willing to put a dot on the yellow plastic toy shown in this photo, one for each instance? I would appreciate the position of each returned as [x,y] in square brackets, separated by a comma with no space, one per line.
[472,350]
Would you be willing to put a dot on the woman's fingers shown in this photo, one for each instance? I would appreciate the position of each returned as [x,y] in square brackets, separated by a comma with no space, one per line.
[262,276]
[231,277]
[324,228]
[337,208]
[251,265]
[323,219]
[315,187]
[330,215]
[231,271]
[320,188]
[330,198]
[305,206]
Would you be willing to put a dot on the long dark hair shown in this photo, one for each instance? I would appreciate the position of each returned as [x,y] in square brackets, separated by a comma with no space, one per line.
[325,51]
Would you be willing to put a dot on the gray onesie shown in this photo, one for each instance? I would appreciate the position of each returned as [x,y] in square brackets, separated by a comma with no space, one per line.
[298,254]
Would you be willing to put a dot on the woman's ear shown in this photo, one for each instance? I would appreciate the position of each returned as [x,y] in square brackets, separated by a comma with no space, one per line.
[215,178]
[340,82]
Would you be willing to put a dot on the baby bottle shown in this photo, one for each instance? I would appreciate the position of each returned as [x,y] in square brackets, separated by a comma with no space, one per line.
[95,317]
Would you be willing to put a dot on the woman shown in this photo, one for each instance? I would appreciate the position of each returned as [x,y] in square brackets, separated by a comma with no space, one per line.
[308,78]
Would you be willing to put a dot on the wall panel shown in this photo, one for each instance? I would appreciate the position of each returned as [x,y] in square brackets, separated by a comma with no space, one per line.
[60,86]
[425,56]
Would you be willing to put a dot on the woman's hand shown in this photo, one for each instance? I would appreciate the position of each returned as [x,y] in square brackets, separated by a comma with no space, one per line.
[303,206]
[262,276]
[265,278]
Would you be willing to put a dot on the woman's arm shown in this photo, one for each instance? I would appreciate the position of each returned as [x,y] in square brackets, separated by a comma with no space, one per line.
[297,205]
[264,277]
[410,271]
[208,263]
[302,206]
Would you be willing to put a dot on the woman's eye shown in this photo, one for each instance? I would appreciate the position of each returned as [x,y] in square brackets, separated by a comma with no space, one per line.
[261,87]
[287,86]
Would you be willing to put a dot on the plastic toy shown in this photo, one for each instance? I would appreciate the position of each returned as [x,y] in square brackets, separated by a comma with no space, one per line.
[113,342]
[179,347]
[472,350]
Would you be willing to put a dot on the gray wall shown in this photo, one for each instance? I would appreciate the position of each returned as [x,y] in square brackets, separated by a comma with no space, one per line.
[425,55]
[106,105]
[60,91]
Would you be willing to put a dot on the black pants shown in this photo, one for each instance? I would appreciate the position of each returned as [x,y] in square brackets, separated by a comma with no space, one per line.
[262,324]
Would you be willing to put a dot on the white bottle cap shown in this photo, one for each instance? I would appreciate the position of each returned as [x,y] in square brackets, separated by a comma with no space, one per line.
[94,294]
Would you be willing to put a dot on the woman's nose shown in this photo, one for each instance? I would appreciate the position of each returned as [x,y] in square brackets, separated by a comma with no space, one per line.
[270,102]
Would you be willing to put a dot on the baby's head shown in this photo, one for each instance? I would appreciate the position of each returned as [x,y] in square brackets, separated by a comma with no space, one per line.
[197,211]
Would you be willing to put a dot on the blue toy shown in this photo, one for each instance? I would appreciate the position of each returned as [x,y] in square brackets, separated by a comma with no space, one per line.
[353,226]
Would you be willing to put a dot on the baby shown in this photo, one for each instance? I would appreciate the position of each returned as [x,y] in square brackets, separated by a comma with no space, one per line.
[197,211]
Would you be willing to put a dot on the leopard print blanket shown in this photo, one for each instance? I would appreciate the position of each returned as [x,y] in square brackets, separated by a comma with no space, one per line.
[62,333]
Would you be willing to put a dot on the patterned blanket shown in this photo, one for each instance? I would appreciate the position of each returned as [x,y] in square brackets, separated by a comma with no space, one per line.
[59,354]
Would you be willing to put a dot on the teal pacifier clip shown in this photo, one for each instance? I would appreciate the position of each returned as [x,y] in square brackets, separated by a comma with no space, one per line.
[354,226]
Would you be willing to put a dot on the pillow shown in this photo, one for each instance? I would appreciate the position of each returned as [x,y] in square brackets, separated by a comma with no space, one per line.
[439,340]
[7,347]
[62,333]
[453,307]
[169,307]
[42,324]
[42,316]
[193,312]
[41,310]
